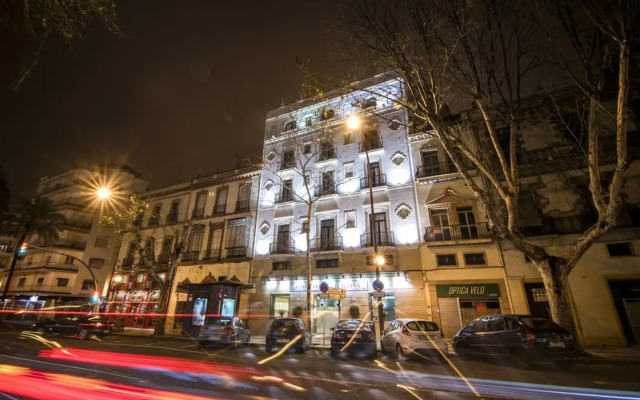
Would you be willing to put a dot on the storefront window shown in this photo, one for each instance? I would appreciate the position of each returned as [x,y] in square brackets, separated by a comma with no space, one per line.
[474,308]
[388,307]
[279,305]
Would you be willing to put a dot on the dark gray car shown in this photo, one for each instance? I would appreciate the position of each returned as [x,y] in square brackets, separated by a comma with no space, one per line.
[224,331]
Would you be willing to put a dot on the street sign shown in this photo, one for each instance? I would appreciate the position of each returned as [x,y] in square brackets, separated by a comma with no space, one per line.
[377,285]
[323,296]
[378,295]
[337,293]
[324,287]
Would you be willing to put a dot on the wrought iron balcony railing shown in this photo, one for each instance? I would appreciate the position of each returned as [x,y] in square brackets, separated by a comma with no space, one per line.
[478,230]
[326,244]
[281,247]
[439,168]
[370,144]
[212,255]
[242,205]
[378,180]
[197,213]
[153,220]
[383,238]
[236,252]
[286,164]
[327,154]
[219,209]
[283,197]
[171,218]
[189,256]
[70,244]
[325,190]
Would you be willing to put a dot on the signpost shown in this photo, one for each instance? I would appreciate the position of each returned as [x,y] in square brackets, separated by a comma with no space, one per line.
[324,287]
[378,295]
[377,285]
[337,293]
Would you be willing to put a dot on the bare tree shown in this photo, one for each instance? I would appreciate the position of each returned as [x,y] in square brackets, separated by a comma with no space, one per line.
[450,53]
[127,225]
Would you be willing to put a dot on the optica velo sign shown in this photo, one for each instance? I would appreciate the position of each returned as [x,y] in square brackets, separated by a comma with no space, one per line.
[478,290]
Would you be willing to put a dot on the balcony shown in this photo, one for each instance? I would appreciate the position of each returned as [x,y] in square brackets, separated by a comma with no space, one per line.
[457,232]
[378,180]
[212,255]
[197,213]
[219,209]
[70,244]
[172,218]
[77,224]
[190,256]
[383,238]
[287,164]
[41,289]
[440,168]
[326,244]
[369,144]
[283,197]
[325,190]
[281,247]
[128,263]
[327,154]
[236,252]
[242,205]
[163,259]
[153,220]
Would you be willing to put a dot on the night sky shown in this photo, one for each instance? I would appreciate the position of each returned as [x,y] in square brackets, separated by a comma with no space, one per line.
[182,92]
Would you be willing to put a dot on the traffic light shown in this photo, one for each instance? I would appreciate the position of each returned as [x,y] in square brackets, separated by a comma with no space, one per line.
[22,250]
[95,298]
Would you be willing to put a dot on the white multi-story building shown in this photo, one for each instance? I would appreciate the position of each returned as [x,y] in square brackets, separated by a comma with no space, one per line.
[56,277]
[313,159]
[211,219]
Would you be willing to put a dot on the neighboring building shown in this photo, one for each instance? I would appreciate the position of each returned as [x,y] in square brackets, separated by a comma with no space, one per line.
[470,273]
[53,278]
[218,212]
[310,141]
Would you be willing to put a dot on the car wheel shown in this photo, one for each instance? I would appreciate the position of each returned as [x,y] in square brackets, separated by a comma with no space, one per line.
[203,344]
[269,349]
[382,348]
[301,349]
[334,353]
[83,334]
[400,353]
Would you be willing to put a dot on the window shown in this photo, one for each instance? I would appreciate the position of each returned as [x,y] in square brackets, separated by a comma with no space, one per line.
[446,260]
[350,219]
[195,244]
[154,219]
[307,148]
[279,306]
[304,226]
[289,126]
[307,178]
[39,281]
[101,242]
[237,237]
[308,122]
[215,243]
[69,260]
[283,238]
[131,252]
[327,234]
[369,103]
[468,227]
[22,281]
[281,265]
[165,252]
[287,193]
[288,160]
[221,202]
[327,114]
[95,262]
[348,138]
[480,325]
[327,184]
[440,229]
[149,249]
[62,282]
[348,170]
[244,194]
[173,212]
[474,259]
[430,163]
[388,260]
[327,263]
[198,209]
[496,324]
[88,284]
[620,249]
[327,151]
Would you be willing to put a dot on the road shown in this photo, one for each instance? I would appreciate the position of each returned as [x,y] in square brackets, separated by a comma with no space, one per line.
[119,367]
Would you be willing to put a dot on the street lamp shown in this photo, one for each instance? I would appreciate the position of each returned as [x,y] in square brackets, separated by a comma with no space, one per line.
[103,193]
[354,122]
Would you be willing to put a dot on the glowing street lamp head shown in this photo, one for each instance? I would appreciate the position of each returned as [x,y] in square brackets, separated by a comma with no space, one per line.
[353,122]
[117,278]
[103,193]
[380,260]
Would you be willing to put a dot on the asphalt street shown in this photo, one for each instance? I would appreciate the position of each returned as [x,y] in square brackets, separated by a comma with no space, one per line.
[173,369]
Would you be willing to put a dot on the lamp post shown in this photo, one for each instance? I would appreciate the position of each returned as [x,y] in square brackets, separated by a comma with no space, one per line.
[354,123]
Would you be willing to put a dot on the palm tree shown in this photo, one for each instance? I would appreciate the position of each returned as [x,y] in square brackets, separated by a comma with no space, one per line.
[5,193]
[37,217]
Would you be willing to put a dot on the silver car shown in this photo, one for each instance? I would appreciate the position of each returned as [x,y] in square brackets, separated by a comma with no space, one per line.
[409,336]
[224,331]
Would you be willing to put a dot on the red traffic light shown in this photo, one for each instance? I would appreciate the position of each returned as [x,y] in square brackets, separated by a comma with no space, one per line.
[23,249]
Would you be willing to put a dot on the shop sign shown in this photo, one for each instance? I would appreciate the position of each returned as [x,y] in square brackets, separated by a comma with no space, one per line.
[469,290]
[357,284]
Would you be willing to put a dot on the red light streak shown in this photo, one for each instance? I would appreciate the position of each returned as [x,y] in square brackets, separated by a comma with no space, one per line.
[52,386]
[146,362]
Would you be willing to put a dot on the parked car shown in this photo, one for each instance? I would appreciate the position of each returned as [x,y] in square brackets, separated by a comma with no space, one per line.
[522,338]
[353,337]
[284,330]
[405,337]
[77,325]
[224,331]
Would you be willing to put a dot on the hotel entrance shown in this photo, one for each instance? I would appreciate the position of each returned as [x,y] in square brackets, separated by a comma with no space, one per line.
[326,314]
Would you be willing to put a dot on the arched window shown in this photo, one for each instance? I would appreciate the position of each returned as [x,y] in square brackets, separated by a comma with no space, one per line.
[221,202]
[244,195]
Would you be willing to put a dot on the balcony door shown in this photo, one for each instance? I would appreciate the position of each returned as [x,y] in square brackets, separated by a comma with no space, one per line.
[327,233]
[440,225]
[468,227]
[380,224]
[327,182]
[430,162]
[283,239]
[376,175]
[215,243]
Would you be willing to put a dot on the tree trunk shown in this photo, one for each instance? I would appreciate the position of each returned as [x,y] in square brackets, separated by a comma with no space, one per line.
[161,318]
[556,282]
[309,275]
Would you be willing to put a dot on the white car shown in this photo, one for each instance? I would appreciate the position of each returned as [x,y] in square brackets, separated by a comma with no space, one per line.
[408,336]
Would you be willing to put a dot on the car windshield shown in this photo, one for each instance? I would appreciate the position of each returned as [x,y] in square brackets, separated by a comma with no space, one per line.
[351,324]
[219,321]
[427,326]
[281,323]
[538,323]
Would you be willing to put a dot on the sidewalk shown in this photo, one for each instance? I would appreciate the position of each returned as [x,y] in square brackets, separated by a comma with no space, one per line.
[618,353]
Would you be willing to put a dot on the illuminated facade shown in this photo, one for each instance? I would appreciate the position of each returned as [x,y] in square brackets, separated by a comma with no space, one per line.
[312,158]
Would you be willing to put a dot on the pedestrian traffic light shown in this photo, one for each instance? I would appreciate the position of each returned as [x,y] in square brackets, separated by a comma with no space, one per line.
[95,298]
[22,250]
